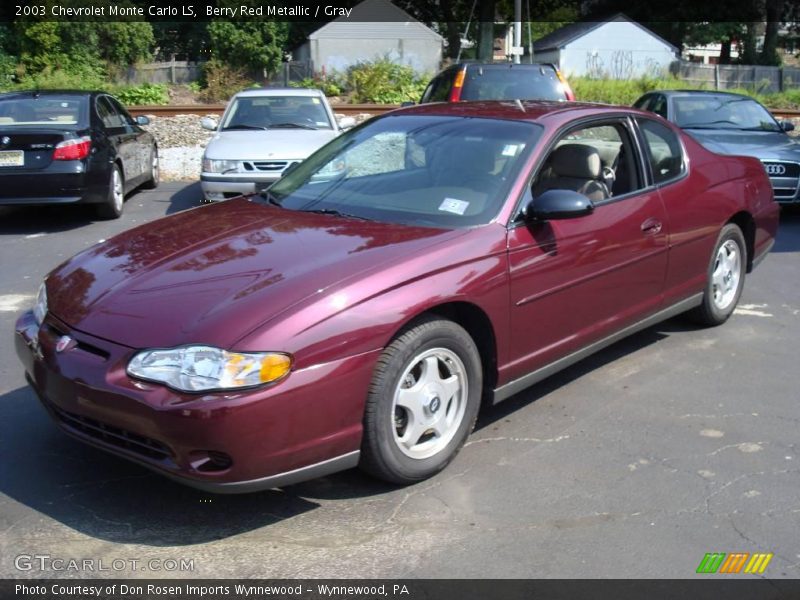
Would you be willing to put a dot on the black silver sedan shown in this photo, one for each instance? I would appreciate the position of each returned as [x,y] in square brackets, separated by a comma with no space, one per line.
[63,147]
[729,123]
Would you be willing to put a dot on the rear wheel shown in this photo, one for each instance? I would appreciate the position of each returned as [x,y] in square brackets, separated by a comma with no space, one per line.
[115,198]
[422,403]
[725,278]
[155,172]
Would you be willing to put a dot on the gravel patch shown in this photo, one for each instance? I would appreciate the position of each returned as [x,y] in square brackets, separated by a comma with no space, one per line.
[181,141]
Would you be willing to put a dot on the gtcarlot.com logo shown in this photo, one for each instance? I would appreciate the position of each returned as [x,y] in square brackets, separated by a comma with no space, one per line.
[720,562]
[46,562]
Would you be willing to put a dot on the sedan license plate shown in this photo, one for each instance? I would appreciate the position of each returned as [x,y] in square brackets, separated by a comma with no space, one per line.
[12,158]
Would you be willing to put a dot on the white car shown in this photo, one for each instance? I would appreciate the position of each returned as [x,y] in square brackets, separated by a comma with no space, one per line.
[262,133]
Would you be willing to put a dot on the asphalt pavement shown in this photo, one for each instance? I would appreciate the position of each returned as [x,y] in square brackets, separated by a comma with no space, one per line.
[633,463]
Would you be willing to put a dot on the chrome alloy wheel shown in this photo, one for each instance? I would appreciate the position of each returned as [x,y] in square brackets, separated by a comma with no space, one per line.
[429,403]
[726,275]
[154,174]
[116,190]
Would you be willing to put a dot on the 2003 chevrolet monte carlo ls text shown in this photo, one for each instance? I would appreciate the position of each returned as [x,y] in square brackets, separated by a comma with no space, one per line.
[360,310]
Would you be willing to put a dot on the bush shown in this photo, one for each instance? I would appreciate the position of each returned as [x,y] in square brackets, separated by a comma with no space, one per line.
[331,85]
[222,81]
[73,77]
[626,92]
[145,94]
[8,71]
[384,82]
[621,91]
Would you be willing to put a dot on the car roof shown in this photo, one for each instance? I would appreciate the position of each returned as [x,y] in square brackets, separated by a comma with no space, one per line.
[28,93]
[519,110]
[502,65]
[698,93]
[283,91]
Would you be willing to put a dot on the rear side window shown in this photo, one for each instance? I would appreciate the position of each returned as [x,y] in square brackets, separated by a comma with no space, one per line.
[664,150]
[438,90]
[510,83]
[108,114]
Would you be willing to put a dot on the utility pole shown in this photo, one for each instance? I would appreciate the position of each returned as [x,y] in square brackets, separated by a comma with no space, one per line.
[486,31]
[517,49]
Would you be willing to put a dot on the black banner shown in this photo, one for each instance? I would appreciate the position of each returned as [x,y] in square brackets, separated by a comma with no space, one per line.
[354,10]
[702,588]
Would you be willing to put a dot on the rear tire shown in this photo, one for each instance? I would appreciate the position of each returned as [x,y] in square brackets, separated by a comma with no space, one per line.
[726,273]
[155,171]
[115,198]
[422,403]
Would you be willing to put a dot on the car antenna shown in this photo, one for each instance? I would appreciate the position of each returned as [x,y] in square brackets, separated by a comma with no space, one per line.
[520,105]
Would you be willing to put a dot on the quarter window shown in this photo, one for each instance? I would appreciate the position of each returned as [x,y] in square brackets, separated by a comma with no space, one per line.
[664,150]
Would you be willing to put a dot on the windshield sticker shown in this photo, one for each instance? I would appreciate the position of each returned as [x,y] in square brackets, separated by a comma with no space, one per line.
[315,100]
[452,205]
[510,150]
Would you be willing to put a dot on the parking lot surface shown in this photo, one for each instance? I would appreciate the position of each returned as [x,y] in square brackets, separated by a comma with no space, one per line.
[633,463]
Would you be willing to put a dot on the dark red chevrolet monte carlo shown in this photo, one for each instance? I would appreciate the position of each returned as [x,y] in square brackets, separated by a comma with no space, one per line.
[360,310]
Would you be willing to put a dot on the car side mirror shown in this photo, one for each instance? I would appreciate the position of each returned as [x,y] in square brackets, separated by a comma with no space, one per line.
[558,204]
[787,126]
[346,123]
[142,120]
[208,123]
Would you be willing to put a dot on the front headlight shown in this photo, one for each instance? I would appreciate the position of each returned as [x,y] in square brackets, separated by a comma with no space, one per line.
[219,166]
[40,307]
[205,368]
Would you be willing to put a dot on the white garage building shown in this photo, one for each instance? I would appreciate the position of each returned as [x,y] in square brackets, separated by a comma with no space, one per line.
[375,29]
[617,48]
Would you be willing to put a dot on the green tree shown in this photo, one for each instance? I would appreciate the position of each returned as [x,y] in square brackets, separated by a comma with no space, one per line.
[248,44]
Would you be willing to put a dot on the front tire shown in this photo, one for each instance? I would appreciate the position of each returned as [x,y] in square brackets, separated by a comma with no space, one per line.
[115,197]
[725,278]
[422,403]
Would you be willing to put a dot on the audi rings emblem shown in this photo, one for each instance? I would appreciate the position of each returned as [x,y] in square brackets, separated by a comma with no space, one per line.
[775,169]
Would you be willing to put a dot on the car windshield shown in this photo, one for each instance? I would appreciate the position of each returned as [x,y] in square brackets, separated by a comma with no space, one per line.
[277,112]
[722,112]
[418,170]
[511,83]
[45,110]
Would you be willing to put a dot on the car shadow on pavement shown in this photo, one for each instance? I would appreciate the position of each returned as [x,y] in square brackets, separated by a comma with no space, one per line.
[106,497]
[788,238]
[188,196]
[32,220]
[109,498]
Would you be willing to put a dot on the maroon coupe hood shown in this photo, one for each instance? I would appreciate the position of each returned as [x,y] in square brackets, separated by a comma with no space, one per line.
[213,274]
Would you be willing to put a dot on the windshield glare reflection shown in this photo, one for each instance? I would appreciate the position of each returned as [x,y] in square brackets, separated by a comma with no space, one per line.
[418,170]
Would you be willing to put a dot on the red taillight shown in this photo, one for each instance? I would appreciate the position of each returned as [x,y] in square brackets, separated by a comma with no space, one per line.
[565,86]
[458,85]
[73,149]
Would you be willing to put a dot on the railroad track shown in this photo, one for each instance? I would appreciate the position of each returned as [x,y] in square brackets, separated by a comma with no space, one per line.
[345,109]
[217,109]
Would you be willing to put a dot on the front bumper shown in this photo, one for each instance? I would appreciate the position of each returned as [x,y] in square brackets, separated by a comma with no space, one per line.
[305,426]
[224,187]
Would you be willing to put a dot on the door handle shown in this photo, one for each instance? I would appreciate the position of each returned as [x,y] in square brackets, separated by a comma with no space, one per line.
[651,227]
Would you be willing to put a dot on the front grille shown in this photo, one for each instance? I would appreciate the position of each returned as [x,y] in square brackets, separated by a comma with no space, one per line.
[115,436]
[269,166]
[785,178]
[782,169]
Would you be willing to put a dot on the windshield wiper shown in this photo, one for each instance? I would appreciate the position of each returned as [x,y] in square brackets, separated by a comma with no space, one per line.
[270,197]
[770,129]
[336,213]
[290,126]
[243,126]
[706,125]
